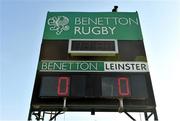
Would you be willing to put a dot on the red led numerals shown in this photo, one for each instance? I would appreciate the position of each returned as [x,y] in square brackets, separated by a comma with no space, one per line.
[63,86]
[123,86]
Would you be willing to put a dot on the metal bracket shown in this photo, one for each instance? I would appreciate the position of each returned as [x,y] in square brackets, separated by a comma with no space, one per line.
[129,116]
[55,115]
[121,106]
[64,104]
[148,116]
[38,115]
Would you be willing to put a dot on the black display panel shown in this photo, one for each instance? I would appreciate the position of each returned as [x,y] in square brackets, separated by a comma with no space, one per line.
[93,46]
[109,86]
[49,86]
[78,86]
[63,86]
[138,86]
[127,51]
[131,86]
[93,86]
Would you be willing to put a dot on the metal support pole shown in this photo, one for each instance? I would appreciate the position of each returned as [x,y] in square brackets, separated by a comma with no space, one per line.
[37,115]
[155,115]
[30,114]
[53,117]
[129,116]
[121,106]
[43,115]
[146,116]
[64,105]
[152,113]
[92,112]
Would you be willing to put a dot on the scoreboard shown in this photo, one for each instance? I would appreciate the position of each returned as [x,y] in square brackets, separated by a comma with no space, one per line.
[92,61]
[82,85]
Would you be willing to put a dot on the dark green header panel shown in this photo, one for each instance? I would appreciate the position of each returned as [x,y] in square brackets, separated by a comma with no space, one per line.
[92,25]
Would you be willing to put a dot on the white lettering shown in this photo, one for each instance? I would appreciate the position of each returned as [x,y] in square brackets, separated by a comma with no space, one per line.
[104,30]
[84,66]
[96,30]
[85,30]
[77,30]
[100,21]
[112,30]
[133,21]
[84,21]
[64,66]
[77,21]
[44,66]
[50,66]
[104,21]
[93,66]
[57,66]
[93,30]
[123,21]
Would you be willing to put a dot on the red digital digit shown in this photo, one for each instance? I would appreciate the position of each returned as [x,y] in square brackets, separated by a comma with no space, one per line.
[63,86]
[123,86]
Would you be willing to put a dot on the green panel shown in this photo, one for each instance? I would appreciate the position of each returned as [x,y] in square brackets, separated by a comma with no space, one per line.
[92,25]
[71,66]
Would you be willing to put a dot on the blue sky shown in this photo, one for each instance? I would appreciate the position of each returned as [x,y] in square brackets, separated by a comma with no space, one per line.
[21,29]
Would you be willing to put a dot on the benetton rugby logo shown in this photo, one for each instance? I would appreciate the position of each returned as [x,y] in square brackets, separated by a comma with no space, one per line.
[58,24]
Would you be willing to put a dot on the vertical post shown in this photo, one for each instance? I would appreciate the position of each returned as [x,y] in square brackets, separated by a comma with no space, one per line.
[38,117]
[64,104]
[92,112]
[121,106]
[30,114]
[129,116]
[43,115]
[146,116]
[155,115]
